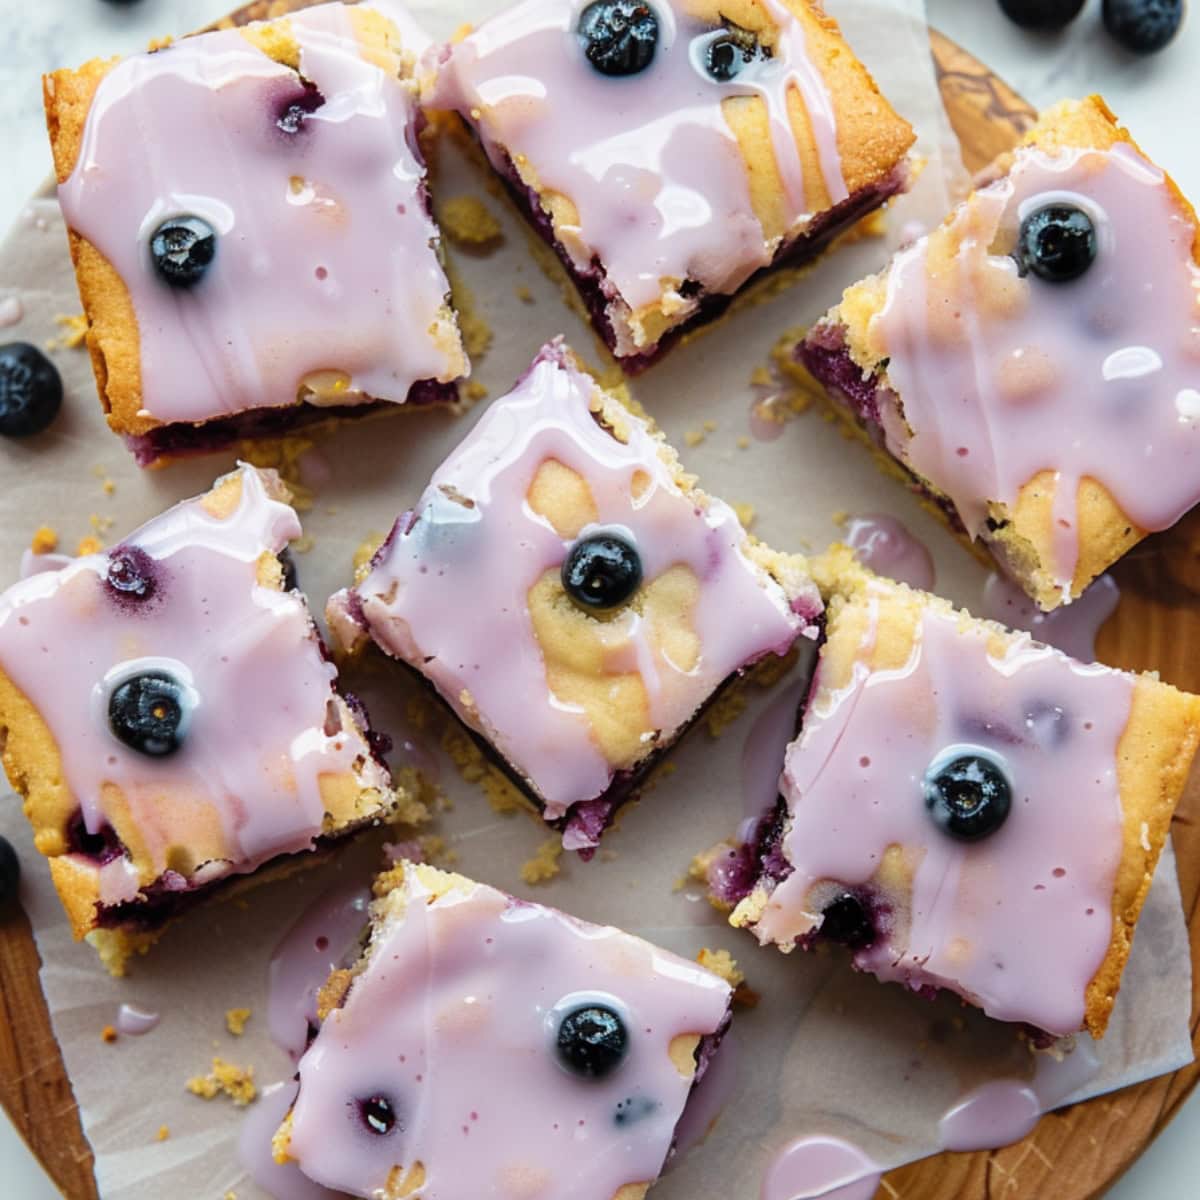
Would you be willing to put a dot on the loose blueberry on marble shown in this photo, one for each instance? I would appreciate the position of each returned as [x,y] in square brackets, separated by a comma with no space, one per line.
[1042,14]
[183,249]
[130,573]
[727,55]
[1143,26]
[1057,243]
[602,572]
[146,713]
[378,1114]
[846,920]
[592,1041]
[619,36]
[10,873]
[30,390]
[968,796]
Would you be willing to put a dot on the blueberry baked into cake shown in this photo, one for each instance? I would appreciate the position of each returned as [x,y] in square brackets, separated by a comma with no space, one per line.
[588,1040]
[572,595]
[171,717]
[669,151]
[251,234]
[1033,365]
[965,808]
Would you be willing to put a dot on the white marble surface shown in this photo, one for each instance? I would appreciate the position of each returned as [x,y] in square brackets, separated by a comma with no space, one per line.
[1158,98]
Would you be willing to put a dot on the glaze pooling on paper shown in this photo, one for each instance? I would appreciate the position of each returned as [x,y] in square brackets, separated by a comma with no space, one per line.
[325,285]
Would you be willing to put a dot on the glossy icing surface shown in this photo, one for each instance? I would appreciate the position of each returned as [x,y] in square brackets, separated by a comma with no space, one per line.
[821,1166]
[1002,377]
[324,268]
[649,161]
[465,988]
[467,587]
[263,734]
[1017,922]
[886,546]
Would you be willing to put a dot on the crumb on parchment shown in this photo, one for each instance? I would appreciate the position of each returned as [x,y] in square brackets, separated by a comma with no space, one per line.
[468,221]
[74,327]
[88,545]
[544,865]
[745,514]
[722,963]
[163,1133]
[235,1020]
[227,1079]
[44,540]
[108,1034]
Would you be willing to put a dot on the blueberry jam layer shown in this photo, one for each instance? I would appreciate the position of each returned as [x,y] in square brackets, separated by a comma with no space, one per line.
[826,357]
[797,252]
[182,439]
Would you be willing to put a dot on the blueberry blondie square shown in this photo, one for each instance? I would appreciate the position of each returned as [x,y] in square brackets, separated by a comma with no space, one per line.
[565,1053]
[250,229]
[169,714]
[967,809]
[572,595]
[1033,365]
[670,151]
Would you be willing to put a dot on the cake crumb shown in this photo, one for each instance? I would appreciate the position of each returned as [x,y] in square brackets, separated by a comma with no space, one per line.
[467,221]
[365,552]
[159,43]
[303,544]
[44,540]
[710,426]
[108,1034]
[163,1133]
[722,963]
[100,525]
[743,442]
[476,332]
[435,852]
[524,294]
[839,517]
[230,1195]
[544,865]
[74,331]
[761,377]
[745,514]
[475,390]
[235,1020]
[108,487]
[88,545]
[282,455]
[693,437]
[227,1079]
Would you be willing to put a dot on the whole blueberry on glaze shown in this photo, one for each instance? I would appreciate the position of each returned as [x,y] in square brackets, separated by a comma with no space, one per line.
[602,571]
[130,573]
[968,795]
[592,1041]
[10,872]
[1057,243]
[726,56]
[182,250]
[619,36]
[146,713]
[1042,14]
[378,1114]
[1143,26]
[30,390]
[846,920]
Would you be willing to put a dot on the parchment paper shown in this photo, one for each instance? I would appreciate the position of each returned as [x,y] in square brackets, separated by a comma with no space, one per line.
[825,1050]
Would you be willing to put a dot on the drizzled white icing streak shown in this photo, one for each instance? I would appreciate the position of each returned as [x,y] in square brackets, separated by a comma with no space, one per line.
[1001,378]
[324,260]
[454,1021]
[449,593]
[262,736]
[1017,922]
[648,160]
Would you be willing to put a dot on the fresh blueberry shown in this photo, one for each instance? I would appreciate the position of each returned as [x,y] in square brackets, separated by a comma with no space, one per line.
[1057,243]
[130,573]
[845,919]
[727,55]
[146,713]
[592,1041]
[10,872]
[1143,26]
[619,36]
[378,1114]
[30,390]
[1042,14]
[297,106]
[602,571]
[183,249]
[968,796]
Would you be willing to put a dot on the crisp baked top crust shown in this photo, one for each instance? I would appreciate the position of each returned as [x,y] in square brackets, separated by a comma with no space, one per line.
[462,985]
[295,141]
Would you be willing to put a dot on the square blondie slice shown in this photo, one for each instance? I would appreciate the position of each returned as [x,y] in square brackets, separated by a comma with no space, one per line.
[572,595]
[170,716]
[486,1046]
[670,151]
[967,809]
[251,233]
[1033,365]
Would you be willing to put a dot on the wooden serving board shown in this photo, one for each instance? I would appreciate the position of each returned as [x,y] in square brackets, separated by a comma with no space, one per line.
[1074,1154]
